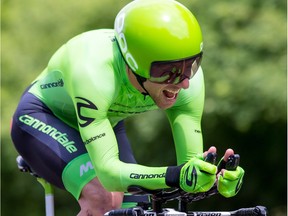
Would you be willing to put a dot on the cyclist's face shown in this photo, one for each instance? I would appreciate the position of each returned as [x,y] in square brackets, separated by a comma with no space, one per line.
[165,95]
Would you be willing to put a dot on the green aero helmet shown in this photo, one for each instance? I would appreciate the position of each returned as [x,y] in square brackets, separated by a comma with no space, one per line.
[149,31]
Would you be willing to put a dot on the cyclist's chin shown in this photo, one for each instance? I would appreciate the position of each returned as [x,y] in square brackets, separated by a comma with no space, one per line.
[164,102]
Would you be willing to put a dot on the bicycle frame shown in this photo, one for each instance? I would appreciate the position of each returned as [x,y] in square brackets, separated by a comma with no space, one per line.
[48,188]
[138,211]
[49,196]
[153,208]
[161,197]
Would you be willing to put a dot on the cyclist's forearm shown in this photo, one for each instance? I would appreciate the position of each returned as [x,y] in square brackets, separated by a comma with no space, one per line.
[148,177]
[185,120]
[116,175]
[188,138]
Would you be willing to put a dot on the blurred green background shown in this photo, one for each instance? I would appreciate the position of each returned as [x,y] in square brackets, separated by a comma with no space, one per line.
[245,60]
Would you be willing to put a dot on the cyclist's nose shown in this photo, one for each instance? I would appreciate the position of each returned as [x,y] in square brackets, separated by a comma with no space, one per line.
[184,83]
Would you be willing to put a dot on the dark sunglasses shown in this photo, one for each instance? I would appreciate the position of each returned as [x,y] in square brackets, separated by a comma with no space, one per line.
[174,72]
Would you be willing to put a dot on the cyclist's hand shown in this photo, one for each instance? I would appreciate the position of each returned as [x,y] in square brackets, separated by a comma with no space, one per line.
[197,175]
[230,175]
[230,181]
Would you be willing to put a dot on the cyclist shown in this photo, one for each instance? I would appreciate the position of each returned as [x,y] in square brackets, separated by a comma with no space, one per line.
[69,125]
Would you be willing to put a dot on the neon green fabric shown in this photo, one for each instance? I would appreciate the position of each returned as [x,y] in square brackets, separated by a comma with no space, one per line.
[229,184]
[85,85]
[185,119]
[128,205]
[77,174]
[197,176]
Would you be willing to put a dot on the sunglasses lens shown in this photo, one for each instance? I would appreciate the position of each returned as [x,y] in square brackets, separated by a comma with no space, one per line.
[173,72]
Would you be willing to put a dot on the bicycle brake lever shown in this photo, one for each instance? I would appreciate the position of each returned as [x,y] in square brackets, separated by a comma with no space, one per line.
[231,164]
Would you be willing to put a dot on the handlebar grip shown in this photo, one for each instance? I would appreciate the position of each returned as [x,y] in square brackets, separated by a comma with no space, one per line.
[231,164]
[255,211]
[126,212]
[211,158]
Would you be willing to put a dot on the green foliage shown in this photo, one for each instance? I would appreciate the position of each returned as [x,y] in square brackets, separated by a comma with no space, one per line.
[245,62]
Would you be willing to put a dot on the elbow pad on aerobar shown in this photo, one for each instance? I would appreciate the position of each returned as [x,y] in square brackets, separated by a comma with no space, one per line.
[172,177]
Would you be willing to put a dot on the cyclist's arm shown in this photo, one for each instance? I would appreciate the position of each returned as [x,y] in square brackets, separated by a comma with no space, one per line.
[185,119]
[114,174]
[101,144]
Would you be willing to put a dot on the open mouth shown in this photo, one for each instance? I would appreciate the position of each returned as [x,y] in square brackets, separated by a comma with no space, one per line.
[170,94]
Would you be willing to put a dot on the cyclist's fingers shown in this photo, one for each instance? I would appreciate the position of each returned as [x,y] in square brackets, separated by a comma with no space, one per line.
[212,149]
[207,167]
[232,175]
[228,153]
